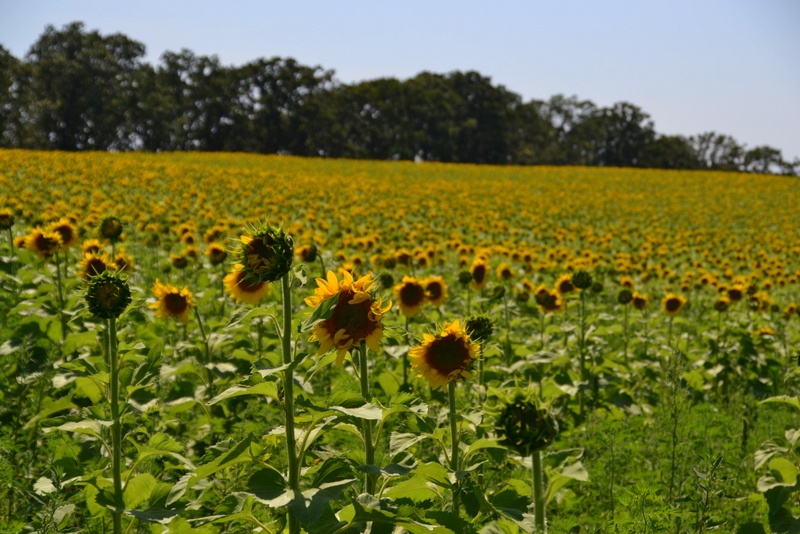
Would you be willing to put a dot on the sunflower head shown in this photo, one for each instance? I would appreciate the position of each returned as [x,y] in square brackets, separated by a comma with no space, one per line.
[625,296]
[93,264]
[505,272]
[243,289]
[464,277]
[479,272]
[446,357]
[64,228]
[386,280]
[526,428]
[110,229]
[266,253]
[639,301]
[479,327]
[307,253]
[582,280]
[6,219]
[564,284]
[123,261]
[435,290]
[172,302]
[410,295]
[178,261]
[107,295]
[45,243]
[722,304]
[216,253]
[673,304]
[354,317]
[91,246]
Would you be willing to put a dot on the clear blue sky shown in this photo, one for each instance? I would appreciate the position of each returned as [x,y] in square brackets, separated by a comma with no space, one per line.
[694,65]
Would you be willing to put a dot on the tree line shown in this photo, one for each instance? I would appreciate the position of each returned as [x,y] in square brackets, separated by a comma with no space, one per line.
[80,90]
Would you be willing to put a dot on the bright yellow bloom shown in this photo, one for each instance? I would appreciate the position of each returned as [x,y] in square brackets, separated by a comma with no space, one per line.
[172,302]
[242,289]
[446,357]
[410,295]
[673,304]
[356,316]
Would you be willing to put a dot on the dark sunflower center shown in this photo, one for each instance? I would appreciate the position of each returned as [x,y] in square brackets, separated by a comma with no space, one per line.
[434,290]
[175,304]
[673,305]
[447,354]
[412,294]
[354,318]
[46,244]
[734,294]
[565,286]
[260,255]
[479,273]
[65,232]
[95,266]
[248,286]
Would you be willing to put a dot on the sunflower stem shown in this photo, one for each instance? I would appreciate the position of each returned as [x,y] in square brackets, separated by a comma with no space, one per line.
[11,249]
[669,331]
[61,319]
[582,339]
[116,425]
[538,492]
[454,438]
[625,331]
[288,398]
[207,352]
[369,446]
[405,356]
[507,346]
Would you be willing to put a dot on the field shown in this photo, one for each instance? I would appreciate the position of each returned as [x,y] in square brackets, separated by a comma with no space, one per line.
[494,349]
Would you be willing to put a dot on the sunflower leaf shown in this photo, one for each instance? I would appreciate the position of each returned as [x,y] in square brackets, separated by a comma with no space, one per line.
[321,313]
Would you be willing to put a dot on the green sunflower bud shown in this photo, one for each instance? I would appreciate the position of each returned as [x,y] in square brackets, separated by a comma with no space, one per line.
[107,295]
[479,327]
[526,428]
[387,280]
[625,296]
[110,228]
[464,277]
[582,280]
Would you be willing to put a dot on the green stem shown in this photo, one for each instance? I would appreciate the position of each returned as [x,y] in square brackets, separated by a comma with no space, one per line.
[405,356]
[288,398]
[541,329]
[454,438]
[207,351]
[59,286]
[625,330]
[369,446]
[507,347]
[582,339]
[116,425]
[538,493]
[669,331]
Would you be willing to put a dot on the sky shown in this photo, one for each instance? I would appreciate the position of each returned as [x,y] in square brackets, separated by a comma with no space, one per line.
[694,66]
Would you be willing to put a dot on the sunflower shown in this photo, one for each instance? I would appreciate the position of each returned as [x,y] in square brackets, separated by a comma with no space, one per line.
[123,260]
[91,246]
[266,253]
[722,304]
[435,290]
[110,229]
[172,302]
[307,253]
[216,253]
[68,233]
[45,243]
[242,289]
[479,272]
[108,295]
[673,304]
[564,284]
[505,272]
[639,301]
[445,358]
[179,261]
[94,264]
[355,316]
[410,295]
[6,219]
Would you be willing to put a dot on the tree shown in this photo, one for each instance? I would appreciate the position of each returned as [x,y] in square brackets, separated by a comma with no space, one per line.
[80,88]
[669,152]
[717,151]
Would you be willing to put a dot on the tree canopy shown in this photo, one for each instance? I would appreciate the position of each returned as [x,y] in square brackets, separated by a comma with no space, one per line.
[80,90]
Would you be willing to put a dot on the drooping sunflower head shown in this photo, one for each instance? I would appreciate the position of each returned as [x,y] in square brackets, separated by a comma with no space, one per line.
[172,302]
[435,290]
[93,264]
[107,295]
[410,295]
[446,357]
[64,228]
[244,290]
[526,427]
[45,243]
[354,316]
[673,304]
[6,219]
[266,253]
[110,229]
[216,253]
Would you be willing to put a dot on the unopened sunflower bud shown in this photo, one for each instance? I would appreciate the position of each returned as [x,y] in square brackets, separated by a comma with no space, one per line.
[107,295]
[479,327]
[625,296]
[582,280]
[526,428]
[266,254]
[464,277]
[111,229]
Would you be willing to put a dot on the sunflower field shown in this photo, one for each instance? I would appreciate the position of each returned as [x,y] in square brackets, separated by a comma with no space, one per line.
[237,343]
